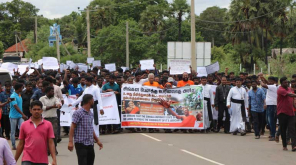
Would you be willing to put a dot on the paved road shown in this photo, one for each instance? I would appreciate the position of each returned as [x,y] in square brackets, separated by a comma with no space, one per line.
[178,149]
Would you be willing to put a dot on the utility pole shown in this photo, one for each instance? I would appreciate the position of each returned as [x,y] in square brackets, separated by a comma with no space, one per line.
[88,33]
[36,30]
[127,45]
[15,33]
[193,51]
[58,45]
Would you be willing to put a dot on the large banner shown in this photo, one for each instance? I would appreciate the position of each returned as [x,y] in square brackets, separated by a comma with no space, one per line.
[150,107]
[110,116]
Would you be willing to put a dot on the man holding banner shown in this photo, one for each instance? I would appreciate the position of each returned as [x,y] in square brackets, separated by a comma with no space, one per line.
[208,103]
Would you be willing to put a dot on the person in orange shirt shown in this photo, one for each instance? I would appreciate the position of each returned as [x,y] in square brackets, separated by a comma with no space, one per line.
[151,81]
[185,81]
[132,108]
[187,120]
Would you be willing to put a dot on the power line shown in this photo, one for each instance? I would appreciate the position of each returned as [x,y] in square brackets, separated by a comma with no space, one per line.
[224,31]
[229,22]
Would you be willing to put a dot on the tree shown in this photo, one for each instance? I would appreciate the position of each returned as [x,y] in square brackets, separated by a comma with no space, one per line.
[180,8]
[16,15]
[1,49]
[152,19]
[213,14]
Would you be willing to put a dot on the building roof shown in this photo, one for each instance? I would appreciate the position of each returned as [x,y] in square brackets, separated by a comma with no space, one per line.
[276,52]
[19,47]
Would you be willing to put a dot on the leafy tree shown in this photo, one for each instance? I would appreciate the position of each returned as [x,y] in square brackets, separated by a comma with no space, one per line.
[153,18]
[1,49]
[213,14]
[180,8]
[16,15]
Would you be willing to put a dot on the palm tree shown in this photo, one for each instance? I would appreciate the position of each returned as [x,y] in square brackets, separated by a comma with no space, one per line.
[180,8]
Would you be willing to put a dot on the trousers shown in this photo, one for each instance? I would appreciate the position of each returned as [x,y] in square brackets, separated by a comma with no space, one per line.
[287,122]
[85,154]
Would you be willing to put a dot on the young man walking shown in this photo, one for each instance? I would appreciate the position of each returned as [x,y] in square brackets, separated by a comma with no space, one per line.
[36,135]
[83,133]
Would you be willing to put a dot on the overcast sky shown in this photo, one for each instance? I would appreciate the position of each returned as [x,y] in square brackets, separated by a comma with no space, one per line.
[59,8]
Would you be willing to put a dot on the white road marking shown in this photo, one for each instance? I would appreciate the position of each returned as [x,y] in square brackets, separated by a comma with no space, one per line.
[201,157]
[150,137]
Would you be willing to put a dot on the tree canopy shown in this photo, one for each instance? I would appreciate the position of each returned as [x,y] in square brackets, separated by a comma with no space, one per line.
[243,34]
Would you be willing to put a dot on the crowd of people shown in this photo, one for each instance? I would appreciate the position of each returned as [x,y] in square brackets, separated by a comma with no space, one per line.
[30,108]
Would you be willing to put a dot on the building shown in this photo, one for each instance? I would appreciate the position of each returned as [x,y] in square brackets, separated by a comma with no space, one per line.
[16,53]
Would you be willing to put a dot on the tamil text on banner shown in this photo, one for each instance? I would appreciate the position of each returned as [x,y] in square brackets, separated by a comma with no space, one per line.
[110,116]
[149,107]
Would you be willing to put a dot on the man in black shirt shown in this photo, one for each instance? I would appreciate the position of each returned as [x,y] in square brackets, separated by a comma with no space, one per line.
[26,96]
[220,105]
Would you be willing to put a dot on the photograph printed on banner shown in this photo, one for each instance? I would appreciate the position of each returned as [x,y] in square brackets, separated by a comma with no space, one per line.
[150,107]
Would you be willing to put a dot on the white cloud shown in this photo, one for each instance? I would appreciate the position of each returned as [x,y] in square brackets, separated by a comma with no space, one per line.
[59,8]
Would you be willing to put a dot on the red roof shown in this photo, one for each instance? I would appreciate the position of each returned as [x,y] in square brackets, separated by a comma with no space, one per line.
[19,47]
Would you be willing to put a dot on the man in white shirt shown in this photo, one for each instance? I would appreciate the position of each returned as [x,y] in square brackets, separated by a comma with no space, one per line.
[237,100]
[271,102]
[138,79]
[208,103]
[50,106]
[95,91]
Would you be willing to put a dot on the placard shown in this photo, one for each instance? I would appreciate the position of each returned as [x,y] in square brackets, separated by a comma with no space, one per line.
[110,67]
[213,68]
[147,64]
[124,68]
[179,66]
[69,62]
[97,63]
[201,71]
[90,60]
[82,68]
[50,63]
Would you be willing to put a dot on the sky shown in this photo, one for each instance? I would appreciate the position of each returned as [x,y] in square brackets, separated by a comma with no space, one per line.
[59,8]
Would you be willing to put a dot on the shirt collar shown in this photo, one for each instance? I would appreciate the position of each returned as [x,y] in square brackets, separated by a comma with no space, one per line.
[34,123]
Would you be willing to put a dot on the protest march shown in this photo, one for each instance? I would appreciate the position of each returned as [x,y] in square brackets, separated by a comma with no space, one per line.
[142,99]
[161,82]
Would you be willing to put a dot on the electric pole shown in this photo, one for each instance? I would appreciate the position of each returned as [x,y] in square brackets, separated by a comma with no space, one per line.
[193,50]
[88,33]
[127,45]
[36,30]
[15,33]
[58,45]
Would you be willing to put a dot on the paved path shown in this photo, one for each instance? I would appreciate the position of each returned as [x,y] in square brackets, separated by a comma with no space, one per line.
[178,149]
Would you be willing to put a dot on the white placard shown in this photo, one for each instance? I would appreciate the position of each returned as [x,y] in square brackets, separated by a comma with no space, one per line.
[69,62]
[35,65]
[213,68]
[72,65]
[63,67]
[50,63]
[201,71]
[39,62]
[66,119]
[110,67]
[97,63]
[124,68]
[9,66]
[22,68]
[147,64]
[82,68]
[90,60]
[179,66]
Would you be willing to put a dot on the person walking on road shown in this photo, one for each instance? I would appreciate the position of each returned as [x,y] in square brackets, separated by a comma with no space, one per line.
[36,135]
[83,133]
